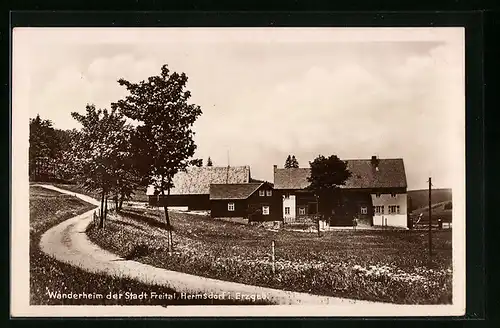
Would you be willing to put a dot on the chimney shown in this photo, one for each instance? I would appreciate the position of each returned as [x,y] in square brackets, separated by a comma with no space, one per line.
[275,167]
[375,162]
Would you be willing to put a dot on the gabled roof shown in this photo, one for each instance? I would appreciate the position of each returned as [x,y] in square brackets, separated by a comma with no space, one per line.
[390,174]
[233,191]
[197,180]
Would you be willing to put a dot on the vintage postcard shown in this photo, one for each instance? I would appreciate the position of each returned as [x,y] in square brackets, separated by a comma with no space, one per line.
[238,172]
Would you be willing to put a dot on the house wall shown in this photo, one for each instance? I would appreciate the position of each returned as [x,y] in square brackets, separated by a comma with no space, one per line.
[295,200]
[256,202]
[193,202]
[395,220]
[219,208]
[291,203]
[251,207]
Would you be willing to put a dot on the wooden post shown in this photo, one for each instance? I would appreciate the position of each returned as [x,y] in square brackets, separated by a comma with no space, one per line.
[430,219]
[273,257]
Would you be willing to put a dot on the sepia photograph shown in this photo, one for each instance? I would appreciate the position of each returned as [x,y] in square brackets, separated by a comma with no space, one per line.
[238,172]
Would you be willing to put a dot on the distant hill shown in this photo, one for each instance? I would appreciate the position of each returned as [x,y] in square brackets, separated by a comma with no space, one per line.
[419,199]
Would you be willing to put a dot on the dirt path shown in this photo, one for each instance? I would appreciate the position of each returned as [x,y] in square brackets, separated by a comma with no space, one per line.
[68,242]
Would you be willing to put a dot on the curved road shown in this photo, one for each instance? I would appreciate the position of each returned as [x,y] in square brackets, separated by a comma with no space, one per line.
[68,242]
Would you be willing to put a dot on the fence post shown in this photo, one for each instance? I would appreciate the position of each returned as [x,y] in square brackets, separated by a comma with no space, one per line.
[273,257]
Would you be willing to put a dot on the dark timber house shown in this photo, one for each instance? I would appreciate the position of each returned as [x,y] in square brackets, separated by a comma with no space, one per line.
[252,201]
[375,193]
[192,188]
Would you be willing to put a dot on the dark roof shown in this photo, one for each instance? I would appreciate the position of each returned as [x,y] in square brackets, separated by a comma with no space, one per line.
[233,191]
[197,180]
[390,174]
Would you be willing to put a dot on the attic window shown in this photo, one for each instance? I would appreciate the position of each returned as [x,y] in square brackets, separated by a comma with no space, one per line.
[262,192]
[269,192]
[393,195]
[377,195]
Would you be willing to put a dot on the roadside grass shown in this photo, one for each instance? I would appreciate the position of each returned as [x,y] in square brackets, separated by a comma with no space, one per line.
[386,266]
[47,275]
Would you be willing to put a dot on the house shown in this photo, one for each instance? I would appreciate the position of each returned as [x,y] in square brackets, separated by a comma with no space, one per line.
[192,187]
[376,193]
[252,201]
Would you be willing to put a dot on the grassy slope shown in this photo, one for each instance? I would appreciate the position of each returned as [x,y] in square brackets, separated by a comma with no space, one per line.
[48,208]
[306,263]
[139,196]
[420,198]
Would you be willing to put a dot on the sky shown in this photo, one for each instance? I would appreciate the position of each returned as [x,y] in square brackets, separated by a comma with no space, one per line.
[267,93]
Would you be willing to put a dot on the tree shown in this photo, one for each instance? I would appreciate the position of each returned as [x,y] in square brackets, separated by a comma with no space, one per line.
[209,161]
[288,162]
[42,147]
[125,176]
[327,175]
[100,145]
[164,136]
[291,162]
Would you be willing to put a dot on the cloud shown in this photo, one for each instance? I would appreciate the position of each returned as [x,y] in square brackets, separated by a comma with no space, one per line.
[353,110]
[73,87]
[388,99]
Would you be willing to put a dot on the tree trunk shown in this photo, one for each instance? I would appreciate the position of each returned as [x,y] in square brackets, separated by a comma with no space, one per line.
[101,221]
[167,220]
[318,216]
[116,203]
[121,203]
[106,208]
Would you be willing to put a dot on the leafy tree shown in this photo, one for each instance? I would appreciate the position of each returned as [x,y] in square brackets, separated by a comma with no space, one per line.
[99,147]
[42,147]
[197,162]
[327,175]
[209,161]
[124,173]
[164,136]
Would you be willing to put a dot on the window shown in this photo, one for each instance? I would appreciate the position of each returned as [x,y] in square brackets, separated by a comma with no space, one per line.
[230,207]
[287,195]
[377,195]
[394,209]
[302,211]
[364,210]
[269,192]
[379,209]
[262,193]
[265,210]
[287,210]
[393,195]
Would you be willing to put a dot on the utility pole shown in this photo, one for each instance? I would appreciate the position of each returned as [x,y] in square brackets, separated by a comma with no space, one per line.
[430,219]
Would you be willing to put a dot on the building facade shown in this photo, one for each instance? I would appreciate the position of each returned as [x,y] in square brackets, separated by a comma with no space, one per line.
[375,194]
[252,201]
[192,188]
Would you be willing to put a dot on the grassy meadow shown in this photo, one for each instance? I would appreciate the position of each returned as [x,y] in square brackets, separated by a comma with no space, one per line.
[49,276]
[386,266]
